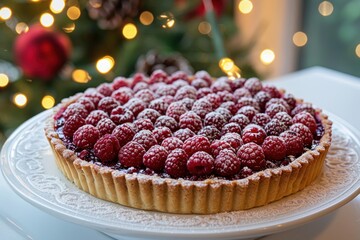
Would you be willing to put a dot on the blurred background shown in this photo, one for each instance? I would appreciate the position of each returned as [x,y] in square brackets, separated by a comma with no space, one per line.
[52,49]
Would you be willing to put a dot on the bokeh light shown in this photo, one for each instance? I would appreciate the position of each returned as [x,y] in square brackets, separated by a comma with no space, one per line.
[4,80]
[57,6]
[105,64]
[326,8]
[300,39]
[20,100]
[204,28]
[146,18]
[73,12]
[80,76]
[47,20]
[245,6]
[48,102]
[129,31]
[357,50]
[5,13]
[267,56]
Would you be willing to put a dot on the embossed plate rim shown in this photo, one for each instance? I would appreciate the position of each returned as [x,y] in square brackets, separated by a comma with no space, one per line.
[247,230]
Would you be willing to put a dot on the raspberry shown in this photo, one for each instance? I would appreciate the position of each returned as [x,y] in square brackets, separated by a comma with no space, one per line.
[131,155]
[290,100]
[188,102]
[183,134]
[121,115]
[241,92]
[158,76]
[166,121]
[307,119]
[120,82]
[226,96]
[284,118]
[195,144]
[274,108]
[227,163]
[274,148]
[199,83]
[159,105]
[172,143]
[175,163]
[205,76]
[105,126]
[253,133]
[95,116]
[202,92]
[150,114]
[237,83]
[155,158]
[107,104]
[138,78]
[123,95]
[231,106]
[160,133]
[185,92]
[135,105]
[233,139]
[293,143]
[303,107]
[123,133]
[166,90]
[145,138]
[272,91]
[218,145]
[75,108]
[107,148]
[190,120]
[252,156]
[146,95]
[261,119]
[200,164]
[87,103]
[278,101]
[86,136]
[253,85]
[143,124]
[214,99]
[105,89]
[245,172]
[275,127]
[214,119]
[247,101]
[240,119]
[72,124]
[140,86]
[231,128]
[262,98]
[202,107]
[175,110]
[304,132]
[180,83]
[94,96]
[210,132]
[248,111]
[227,115]
[219,86]
[178,75]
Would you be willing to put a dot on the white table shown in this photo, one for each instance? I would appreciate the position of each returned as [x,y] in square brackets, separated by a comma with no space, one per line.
[336,92]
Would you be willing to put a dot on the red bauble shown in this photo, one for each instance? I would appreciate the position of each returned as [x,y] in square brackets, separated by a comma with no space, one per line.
[200,11]
[41,52]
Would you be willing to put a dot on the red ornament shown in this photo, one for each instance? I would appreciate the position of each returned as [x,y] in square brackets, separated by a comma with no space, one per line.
[199,10]
[41,52]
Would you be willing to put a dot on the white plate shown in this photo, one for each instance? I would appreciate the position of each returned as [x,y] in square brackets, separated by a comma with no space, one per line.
[28,166]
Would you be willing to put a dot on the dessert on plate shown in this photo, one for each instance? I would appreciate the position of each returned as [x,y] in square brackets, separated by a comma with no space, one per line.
[188,144]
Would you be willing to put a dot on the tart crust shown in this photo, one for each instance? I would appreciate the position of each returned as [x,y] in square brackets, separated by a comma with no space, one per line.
[185,196]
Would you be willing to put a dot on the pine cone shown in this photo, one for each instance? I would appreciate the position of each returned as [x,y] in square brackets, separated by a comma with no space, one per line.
[153,61]
[111,14]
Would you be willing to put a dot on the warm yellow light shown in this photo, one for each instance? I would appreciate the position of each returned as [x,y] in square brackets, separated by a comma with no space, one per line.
[4,80]
[167,19]
[228,66]
[5,13]
[300,39]
[80,76]
[146,18]
[129,31]
[245,6]
[326,8]
[73,12]
[357,50]
[57,6]
[204,28]
[69,28]
[47,20]
[267,56]
[21,27]
[20,100]
[105,64]
[47,102]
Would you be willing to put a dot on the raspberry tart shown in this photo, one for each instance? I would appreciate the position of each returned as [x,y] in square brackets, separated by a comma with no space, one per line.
[188,144]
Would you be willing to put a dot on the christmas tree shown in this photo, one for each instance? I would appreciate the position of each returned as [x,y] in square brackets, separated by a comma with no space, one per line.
[52,49]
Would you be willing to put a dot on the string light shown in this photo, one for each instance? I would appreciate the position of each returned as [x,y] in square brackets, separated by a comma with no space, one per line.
[69,28]
[267,56]
[357,50]
[57,6]
[21,27]
[167,19]
[129,31]
[73,13]
[245,6]
[146,18]
[300,39]
[20,100]
[5,13]
[47,102]
[105,64]
[47,20]
[204,28]
[326,8]
[81,76]
[4,80]
[228,66]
